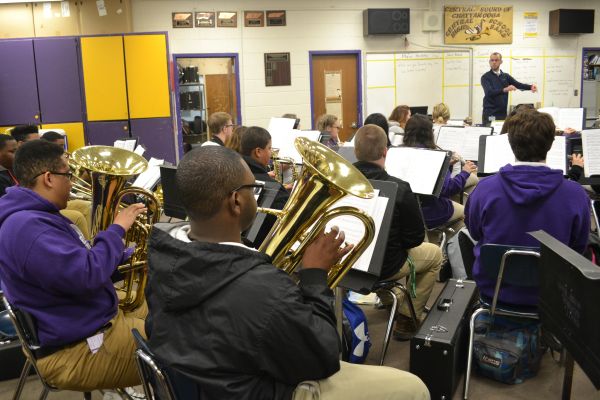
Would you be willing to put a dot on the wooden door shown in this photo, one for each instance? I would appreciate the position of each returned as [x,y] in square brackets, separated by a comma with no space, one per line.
[335,88]
[220,91]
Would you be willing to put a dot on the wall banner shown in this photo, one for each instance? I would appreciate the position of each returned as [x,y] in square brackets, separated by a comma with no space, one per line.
[478,24]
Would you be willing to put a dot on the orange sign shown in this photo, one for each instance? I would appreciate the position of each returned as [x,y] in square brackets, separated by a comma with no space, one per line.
[478,24]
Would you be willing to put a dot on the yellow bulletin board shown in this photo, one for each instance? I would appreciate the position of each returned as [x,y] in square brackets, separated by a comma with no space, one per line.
[478,24]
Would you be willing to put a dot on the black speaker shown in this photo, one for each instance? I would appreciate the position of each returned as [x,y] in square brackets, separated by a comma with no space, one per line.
[386,21]
[564,21]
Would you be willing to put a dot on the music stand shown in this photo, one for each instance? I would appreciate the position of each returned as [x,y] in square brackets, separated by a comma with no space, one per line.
[348,153]
[265,200]
[568,306]
[363,281]
[172,206]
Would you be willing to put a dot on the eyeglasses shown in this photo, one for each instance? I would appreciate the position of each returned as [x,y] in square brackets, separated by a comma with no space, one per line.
[228,125]
[69,175]
[256,188]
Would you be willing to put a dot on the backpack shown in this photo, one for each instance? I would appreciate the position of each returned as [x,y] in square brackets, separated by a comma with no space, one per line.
[355,333]
[459,250]
[507,349]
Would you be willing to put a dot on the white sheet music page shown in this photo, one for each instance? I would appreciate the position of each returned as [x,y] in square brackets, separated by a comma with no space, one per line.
[451,138]
[471,141]
[286,146]
[149,178]
[553,111]
[354,229]
[497,126]
[590,139]
[280,126]
[419,167]
[570,118]
[498,153]
[119,144]
[557,155]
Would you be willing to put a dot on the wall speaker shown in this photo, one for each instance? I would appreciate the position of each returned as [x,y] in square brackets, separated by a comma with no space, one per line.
[432,21]
[386,21]
[569,21]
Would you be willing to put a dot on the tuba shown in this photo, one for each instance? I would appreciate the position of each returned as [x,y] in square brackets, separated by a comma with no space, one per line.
[325,178]
[109,169]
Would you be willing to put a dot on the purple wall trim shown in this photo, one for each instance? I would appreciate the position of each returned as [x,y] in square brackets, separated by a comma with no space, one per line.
[359,96]
[238,110]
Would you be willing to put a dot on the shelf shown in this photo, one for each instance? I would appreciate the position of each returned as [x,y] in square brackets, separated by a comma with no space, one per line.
[191,84]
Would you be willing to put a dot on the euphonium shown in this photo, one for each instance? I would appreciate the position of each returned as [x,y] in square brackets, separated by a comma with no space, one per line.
[109,169]
[325,178]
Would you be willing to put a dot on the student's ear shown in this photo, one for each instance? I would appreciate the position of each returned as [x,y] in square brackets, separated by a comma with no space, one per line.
[385,150]
[234,204]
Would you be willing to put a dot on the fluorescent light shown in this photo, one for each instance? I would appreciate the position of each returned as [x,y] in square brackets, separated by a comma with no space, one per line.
[24,1]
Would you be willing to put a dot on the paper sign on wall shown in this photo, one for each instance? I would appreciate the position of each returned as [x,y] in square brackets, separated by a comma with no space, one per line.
[530,25]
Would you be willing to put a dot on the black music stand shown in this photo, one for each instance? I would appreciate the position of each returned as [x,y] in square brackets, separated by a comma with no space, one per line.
[568,306]
[348,153]
[419,110]
[172,206]
[265,200]
[363,281]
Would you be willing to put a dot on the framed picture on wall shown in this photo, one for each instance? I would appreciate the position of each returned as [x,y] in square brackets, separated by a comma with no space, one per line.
[227,19]
[205,19]
[277,69]
[254,19]
[275,18]
[182,19]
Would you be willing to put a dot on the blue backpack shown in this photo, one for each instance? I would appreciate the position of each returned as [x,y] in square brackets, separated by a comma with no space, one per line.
[355,338]
[509,350]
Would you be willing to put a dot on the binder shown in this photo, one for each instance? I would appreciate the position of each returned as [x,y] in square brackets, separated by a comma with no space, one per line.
[424,169]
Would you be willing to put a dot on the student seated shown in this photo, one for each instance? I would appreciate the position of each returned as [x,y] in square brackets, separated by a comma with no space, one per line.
[234,142]
[406,232]
[440,114]
[25,133]
[240,327]
[50,271]
[221,128]
[524,197]
[256,150]
[8,147]
[381,121]
[329,127]
[54,137]
[438,210]
[397,121]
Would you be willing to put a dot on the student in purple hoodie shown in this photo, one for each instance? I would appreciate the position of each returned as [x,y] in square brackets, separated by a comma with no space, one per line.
[49,270]
[438,210]
[523,197]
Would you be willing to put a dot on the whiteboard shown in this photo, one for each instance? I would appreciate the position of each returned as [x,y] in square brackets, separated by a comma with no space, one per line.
[425,78]
[418,79]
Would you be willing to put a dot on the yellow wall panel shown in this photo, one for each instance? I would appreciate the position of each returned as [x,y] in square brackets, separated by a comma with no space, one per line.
[104,78]
[74,131]
[147,76]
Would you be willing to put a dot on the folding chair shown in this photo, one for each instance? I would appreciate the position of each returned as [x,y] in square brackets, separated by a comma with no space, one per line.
[513,265]
[26,331]
[388,286]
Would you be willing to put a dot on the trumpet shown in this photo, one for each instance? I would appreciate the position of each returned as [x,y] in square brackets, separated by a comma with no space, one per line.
[325,178]
[278,163]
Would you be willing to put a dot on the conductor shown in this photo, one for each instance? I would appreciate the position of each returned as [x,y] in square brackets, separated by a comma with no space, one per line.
[496,85]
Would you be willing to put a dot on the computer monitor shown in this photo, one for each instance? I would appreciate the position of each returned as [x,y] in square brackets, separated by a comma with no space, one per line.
[419,110]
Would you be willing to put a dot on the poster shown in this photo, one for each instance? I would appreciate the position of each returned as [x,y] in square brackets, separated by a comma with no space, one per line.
[530,25]
[478,24]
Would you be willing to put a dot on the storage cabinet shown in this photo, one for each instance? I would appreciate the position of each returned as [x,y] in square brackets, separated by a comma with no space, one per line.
[106,132]
[154,134]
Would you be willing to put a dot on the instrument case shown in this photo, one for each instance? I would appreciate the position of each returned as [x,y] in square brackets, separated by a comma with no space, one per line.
[438,352]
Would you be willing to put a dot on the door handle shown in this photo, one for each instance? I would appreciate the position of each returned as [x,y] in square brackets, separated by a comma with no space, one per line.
[354,125]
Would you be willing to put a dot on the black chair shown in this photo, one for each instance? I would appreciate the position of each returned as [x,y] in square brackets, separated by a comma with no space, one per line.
[26,331]
[155,380]
[388,286]
[513,265]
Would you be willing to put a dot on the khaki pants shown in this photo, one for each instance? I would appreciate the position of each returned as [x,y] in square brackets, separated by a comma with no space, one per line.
[360,382]
[78,219]
[113,366]
[427,259]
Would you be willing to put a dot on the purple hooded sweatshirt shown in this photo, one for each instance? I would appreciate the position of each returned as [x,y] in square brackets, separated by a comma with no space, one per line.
[521,199]
[50,271]
[438,210]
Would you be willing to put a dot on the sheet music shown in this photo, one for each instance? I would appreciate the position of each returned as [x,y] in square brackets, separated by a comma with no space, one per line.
[354,229]
[149,178]
[498,153]
[464,141]
[119,144]
[419,167]
[497,126]
[553,111]
[590,139]
[139,150]
[285,143]
[557,155]
[397,140]
[570,118]
[280,126]
[455,122]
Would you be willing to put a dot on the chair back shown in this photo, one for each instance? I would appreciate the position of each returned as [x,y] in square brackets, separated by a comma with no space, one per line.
[596,214]
[155,380]
[512,265]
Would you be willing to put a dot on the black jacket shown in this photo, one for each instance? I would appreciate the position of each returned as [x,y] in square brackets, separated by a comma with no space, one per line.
[261,174]
[495,101]
[6,180]
[407,229]
[224,316]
